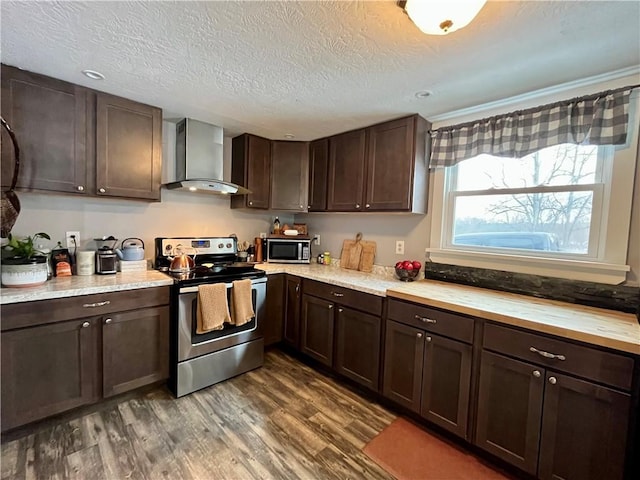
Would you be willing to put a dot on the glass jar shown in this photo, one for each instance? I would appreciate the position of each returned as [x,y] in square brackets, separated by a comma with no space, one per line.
[327,258]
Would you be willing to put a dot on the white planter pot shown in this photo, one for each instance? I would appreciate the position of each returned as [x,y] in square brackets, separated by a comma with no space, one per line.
[29,275]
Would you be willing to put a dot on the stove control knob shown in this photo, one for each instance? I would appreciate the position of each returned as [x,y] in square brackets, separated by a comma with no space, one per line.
[229,245]
[220,245]
[168,247]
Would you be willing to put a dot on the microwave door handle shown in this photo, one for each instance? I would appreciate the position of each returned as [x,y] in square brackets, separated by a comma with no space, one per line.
[299,250]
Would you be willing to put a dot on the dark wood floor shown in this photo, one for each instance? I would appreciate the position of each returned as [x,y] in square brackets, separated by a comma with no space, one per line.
[283,420]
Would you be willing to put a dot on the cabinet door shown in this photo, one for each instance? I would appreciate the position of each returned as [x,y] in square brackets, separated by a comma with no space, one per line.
[292,311]
[445,383]
[584,430]
[316,339]
[510,410]
[49,119]
[346,172]
[403,357]
[358,346]
[47,370]
[318,171]
[390,163]
[128,148]
[274,318]
[135,349]
[289,175]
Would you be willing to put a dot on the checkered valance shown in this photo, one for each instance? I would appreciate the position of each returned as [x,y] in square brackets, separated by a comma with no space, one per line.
[599,119]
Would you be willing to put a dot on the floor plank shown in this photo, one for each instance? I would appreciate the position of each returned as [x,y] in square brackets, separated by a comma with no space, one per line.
[281,421]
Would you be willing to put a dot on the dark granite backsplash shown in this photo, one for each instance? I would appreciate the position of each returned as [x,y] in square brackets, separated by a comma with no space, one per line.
[614,297]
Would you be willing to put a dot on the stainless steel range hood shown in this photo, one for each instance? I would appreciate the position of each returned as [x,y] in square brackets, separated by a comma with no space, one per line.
[199,160]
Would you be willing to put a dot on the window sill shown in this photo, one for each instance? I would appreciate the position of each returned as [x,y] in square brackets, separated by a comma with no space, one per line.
[611,274]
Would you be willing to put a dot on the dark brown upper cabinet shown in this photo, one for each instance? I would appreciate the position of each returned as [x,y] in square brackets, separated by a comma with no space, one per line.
[251,168]
[275,171]
[128,148]
[289,175]
[75,140]
[380,168]
[346,171]
[318,170]
[49,118]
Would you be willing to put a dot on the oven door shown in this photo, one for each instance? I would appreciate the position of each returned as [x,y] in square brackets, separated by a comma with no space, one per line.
[192,344]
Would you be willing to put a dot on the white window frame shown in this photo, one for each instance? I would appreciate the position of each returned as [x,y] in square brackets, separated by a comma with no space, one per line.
[606,260]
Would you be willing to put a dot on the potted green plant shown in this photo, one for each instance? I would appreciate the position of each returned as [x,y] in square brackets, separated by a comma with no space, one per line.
[23,264]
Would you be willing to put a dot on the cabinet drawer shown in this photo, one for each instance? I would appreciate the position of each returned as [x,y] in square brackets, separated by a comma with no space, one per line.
[344,296]
[433,320]
[604,367]
[28,314]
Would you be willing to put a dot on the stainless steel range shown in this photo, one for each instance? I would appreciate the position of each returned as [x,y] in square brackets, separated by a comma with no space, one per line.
[200,360]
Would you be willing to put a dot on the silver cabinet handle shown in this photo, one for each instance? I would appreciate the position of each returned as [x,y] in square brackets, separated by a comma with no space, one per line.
[428,339]
[336,294]
[250,203]
[85,324]
[536,373]
[301,207]
[308,207]
[101,190]
[97,304]
[553,380]
[297,287]
[80,188]
[547,354]
[367,206]
[341,310]
[330,306]
[108,321]
[419,335]
[425,319]
[357,205]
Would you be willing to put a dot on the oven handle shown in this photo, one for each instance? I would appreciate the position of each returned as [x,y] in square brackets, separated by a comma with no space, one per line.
[194,289]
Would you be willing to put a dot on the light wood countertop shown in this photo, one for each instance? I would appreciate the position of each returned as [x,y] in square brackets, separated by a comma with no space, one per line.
[606,328]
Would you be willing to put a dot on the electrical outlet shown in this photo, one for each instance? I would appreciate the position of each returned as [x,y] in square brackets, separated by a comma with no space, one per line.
[316,240]
[399,247]
[263,235]
[70,241]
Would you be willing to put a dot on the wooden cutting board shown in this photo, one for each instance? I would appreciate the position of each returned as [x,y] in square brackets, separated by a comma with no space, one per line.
[358,254]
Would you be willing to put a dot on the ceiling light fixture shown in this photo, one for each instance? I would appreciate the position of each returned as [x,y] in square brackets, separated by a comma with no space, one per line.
[441,17]
[423,94]
[93,75]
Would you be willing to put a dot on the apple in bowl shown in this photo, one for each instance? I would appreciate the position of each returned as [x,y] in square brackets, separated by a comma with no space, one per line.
[407,270]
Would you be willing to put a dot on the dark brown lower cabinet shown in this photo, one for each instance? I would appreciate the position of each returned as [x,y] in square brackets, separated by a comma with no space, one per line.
[272,324]
[548,424]
[584,429]
[428,374]
[509,410]
[358,346]
[316,339]
[403,360]
[48,369]
[52,363]
[446,382]
[292,295]
[134,349]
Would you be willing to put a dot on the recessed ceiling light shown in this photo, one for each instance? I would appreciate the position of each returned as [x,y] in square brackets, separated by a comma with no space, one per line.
[289,136]
[93,75]
[424,94]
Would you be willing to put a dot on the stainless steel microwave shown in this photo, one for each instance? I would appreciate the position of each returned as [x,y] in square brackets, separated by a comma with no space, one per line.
[288,250]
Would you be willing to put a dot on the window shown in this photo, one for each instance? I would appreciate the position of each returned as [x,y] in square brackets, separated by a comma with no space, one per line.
[564,211]
[548,203]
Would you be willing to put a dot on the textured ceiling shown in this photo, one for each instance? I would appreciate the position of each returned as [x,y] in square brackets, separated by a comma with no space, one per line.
[315,68]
